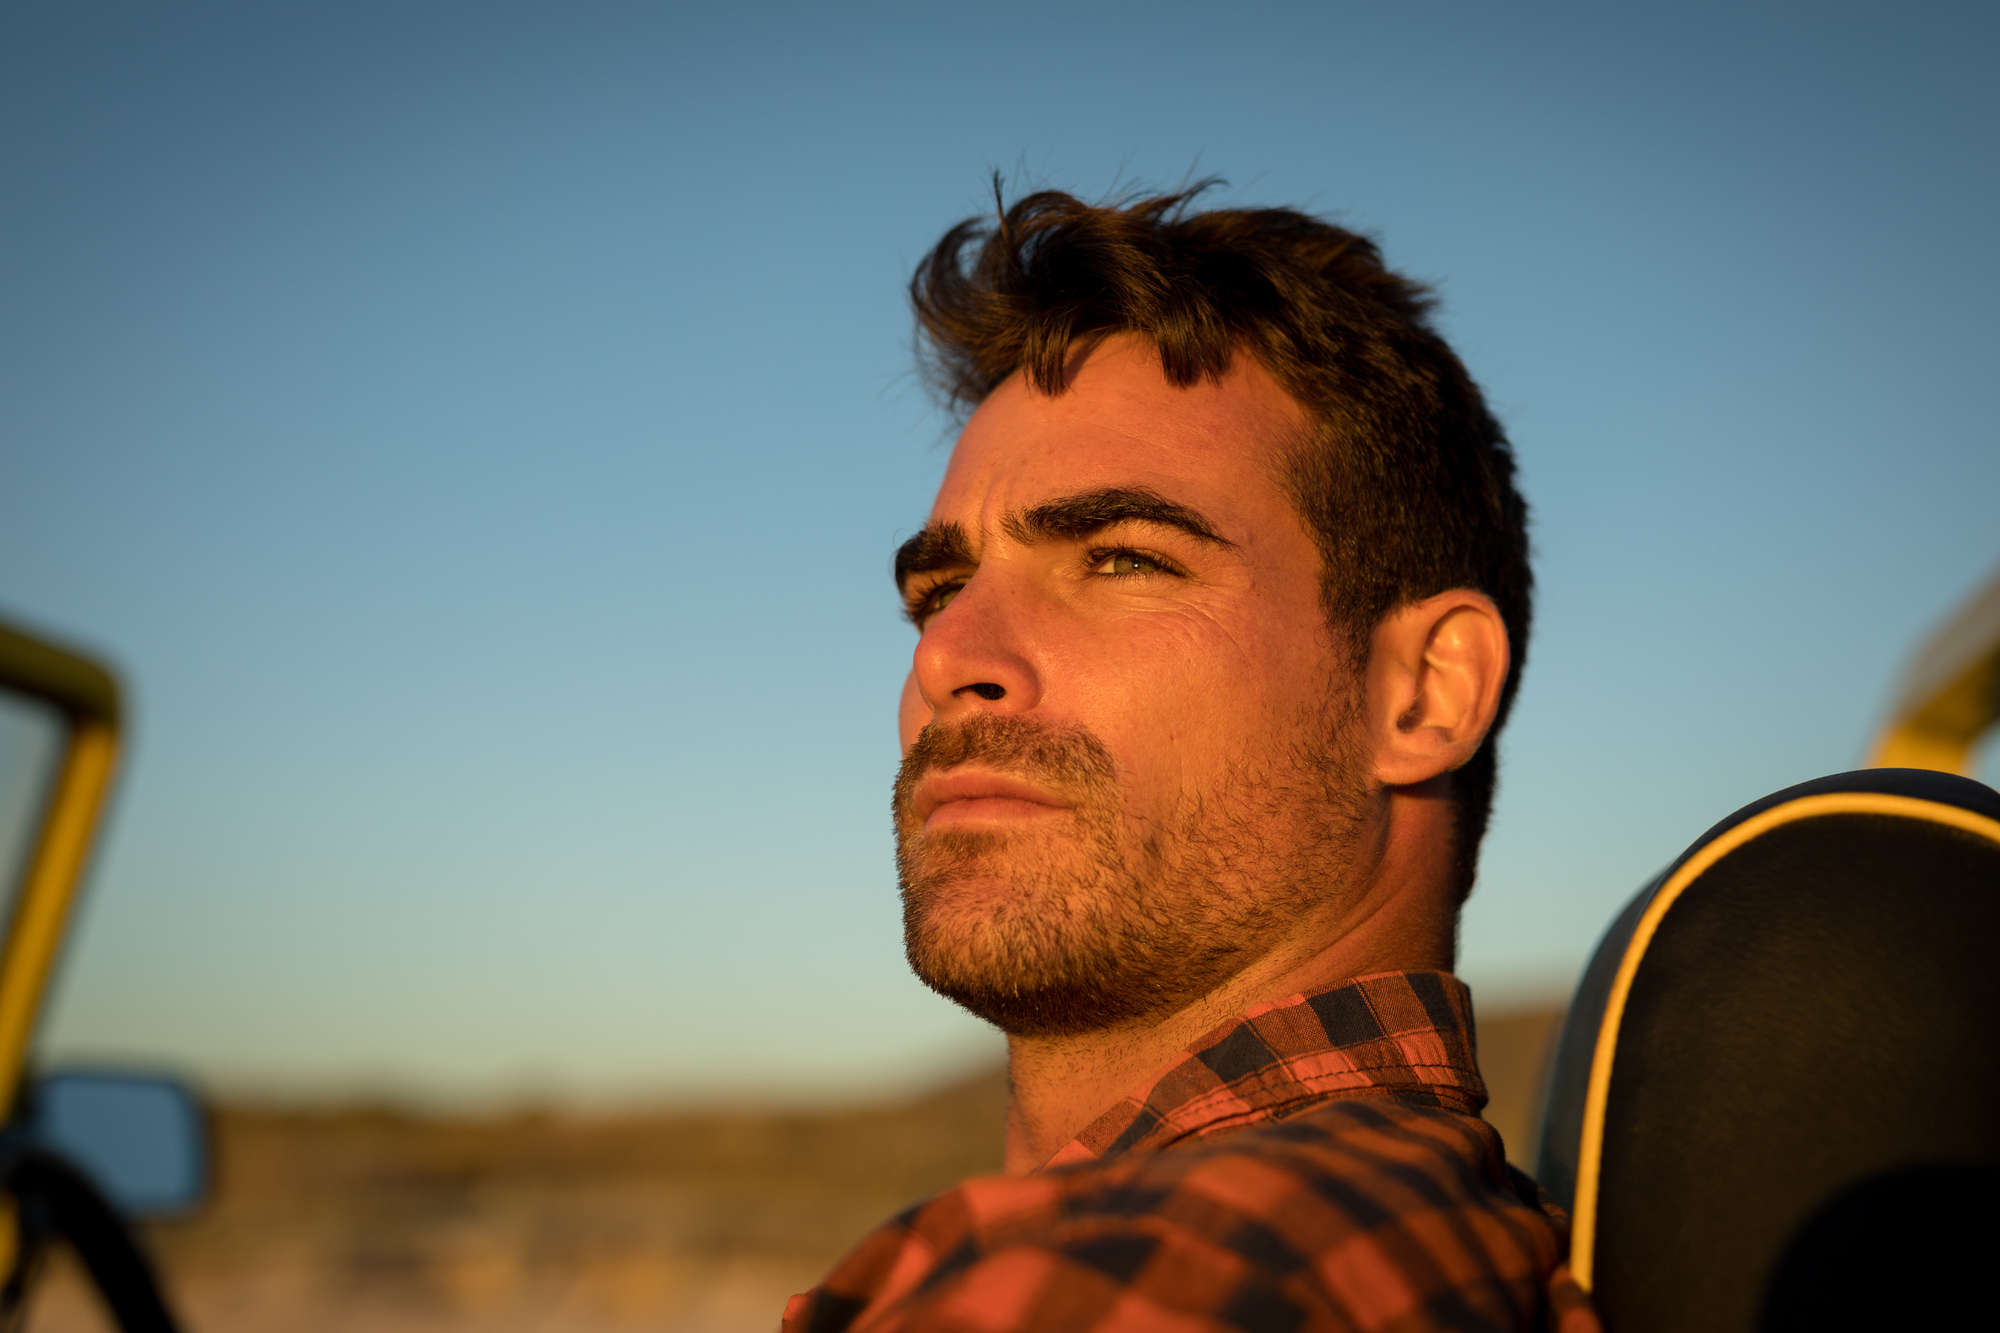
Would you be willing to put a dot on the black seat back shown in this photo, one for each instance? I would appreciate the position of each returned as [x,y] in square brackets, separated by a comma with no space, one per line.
[1776,1100]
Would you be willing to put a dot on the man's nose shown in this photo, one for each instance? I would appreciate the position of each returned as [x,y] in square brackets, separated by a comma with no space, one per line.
[975,655]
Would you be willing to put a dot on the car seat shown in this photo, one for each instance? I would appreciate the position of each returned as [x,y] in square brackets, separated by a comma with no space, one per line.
[1776,1098]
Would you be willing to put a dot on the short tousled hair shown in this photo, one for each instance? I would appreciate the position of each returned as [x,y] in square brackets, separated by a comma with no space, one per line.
[1407,480]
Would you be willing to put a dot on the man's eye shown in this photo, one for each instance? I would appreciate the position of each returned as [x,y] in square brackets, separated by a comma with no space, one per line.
[1130,562]
[933,600]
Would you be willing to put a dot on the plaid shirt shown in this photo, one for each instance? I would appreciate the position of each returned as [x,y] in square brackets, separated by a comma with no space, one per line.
[1319,1165]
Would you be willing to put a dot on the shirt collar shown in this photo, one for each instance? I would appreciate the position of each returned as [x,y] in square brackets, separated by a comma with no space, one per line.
[1404,1035]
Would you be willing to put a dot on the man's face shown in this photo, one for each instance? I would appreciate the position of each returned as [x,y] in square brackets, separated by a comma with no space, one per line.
[1124,778]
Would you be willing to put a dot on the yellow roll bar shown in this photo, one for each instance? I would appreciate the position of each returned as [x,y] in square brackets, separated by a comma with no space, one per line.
[85,695]
[1950,694]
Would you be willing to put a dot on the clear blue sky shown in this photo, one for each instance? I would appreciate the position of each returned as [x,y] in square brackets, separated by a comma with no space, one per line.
[479,432]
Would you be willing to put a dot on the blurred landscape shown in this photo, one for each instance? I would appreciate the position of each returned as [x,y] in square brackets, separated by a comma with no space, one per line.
[698,1221]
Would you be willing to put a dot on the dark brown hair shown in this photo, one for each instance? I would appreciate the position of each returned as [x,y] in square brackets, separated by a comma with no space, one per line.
[1407,484]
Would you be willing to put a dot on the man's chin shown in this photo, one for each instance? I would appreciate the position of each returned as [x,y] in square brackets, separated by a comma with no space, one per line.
[1050,1010]
[1047,973]
[981,880]
[1040,933]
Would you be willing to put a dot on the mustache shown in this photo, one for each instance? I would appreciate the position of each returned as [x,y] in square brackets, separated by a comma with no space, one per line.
[1069,758]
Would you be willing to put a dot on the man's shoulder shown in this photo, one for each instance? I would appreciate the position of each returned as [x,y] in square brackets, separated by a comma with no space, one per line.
[1358,1161]
[1342,1165]
[1355,1213]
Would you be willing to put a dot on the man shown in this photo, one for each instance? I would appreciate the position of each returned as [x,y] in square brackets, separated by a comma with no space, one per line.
[1221,602]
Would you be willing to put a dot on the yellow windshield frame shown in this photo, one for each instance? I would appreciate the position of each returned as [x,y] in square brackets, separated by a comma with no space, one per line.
[86,695]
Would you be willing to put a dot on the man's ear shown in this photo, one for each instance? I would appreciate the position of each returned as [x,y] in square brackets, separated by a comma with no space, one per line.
[1435,669]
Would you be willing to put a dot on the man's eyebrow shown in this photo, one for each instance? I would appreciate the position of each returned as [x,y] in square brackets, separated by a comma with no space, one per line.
[1075,517]
[936,546]
[1066,518]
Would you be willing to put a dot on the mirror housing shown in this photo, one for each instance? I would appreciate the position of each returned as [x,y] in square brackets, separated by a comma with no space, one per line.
[141,1138]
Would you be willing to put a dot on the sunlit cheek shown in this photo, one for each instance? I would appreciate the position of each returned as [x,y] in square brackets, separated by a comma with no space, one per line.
[912,713]
[1187,717]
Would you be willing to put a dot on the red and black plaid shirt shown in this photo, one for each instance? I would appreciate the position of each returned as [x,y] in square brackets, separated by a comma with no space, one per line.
[1319,1165]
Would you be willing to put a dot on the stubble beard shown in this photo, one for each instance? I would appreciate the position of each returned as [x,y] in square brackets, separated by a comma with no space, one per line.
[1098,919]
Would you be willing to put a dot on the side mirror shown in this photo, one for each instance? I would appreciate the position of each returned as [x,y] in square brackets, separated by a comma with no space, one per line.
[141,1139]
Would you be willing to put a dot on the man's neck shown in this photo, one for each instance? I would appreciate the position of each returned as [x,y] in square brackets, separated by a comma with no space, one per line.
[1403,921]
[1057,1085]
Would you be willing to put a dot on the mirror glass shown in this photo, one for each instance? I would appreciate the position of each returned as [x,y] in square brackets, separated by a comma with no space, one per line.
[139,1138]
[31,745]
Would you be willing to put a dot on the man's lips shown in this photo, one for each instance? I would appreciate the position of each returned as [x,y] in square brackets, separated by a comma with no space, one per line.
[968,794]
